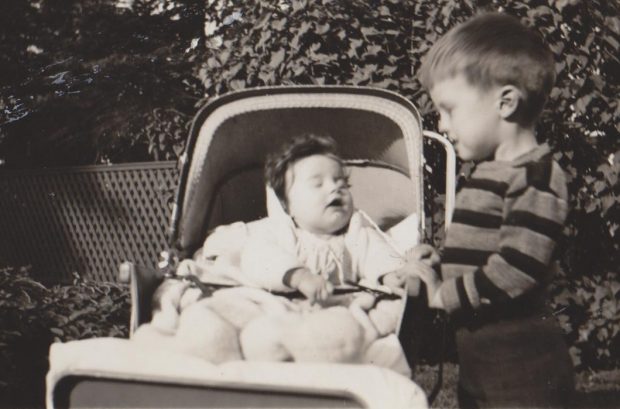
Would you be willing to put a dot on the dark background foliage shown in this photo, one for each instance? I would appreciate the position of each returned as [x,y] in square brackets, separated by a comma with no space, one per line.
[33,316]
[85,82]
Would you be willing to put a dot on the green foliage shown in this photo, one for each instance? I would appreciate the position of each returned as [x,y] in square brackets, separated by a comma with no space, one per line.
[121,84]
[381,44]
[259,43]
[85,82]
[33,316]
[589,311]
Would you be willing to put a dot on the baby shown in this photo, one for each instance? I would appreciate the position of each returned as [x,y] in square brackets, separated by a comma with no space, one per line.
[313,241]
[322,241]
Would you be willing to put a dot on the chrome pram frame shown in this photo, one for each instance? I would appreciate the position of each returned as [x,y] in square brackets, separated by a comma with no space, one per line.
[222,166]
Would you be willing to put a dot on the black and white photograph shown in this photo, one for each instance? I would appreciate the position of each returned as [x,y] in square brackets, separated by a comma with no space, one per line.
[309,204]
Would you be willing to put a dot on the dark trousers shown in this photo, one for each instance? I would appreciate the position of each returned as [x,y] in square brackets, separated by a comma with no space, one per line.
[518,363]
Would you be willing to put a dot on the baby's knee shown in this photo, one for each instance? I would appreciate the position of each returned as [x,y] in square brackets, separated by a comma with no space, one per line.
[203,333]
[151,336]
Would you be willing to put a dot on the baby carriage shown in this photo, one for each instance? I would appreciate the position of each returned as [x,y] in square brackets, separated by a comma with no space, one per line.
[380,137]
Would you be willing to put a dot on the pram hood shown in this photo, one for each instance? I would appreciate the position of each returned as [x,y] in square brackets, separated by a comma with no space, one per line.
[379,134]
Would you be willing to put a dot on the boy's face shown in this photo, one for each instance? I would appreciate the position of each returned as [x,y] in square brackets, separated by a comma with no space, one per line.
[318,195]
[469,115]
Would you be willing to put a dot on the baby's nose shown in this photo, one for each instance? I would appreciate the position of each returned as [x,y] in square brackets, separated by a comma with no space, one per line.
[335,185]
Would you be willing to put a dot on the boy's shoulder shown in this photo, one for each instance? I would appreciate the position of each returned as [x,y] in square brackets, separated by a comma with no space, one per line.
[542,172]
[536,169]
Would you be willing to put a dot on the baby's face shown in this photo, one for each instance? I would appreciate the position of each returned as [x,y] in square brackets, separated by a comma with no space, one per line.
[318,195]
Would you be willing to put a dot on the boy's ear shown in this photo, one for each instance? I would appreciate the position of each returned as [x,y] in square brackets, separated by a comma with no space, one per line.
[508,101]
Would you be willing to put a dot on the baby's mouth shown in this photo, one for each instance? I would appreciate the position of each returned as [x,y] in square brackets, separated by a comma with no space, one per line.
[336,203]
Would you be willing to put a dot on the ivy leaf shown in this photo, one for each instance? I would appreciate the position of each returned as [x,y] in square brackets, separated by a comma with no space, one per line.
[613,23]
[354,45]
[575,355]
[599,187]
[236,85]
[613,42]
[79,313]
[276,58]
[369,31]
[373,50]
[279,25]
[57,331]
[322,28]
[298,5]
[581,105]
[608,201]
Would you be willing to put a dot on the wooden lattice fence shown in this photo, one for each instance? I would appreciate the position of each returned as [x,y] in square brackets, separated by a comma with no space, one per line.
[85,219]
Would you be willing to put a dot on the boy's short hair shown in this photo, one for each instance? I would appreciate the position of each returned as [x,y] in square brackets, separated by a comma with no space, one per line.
[494,49]
[297,148]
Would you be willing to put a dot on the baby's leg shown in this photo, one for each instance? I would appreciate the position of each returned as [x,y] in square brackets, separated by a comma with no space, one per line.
[203,333]
[329,335]
[166,305]
[150,335]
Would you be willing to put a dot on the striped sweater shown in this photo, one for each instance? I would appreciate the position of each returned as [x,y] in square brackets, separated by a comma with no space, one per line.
[507,220]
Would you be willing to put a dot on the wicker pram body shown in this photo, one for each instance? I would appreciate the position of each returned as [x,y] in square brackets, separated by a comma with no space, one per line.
[380,136]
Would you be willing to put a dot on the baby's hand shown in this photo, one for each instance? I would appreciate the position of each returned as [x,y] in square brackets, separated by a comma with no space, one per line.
[312,286]
[395,281]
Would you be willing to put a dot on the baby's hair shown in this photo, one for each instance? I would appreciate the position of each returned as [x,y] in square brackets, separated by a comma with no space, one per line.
[297,148]
[494,49]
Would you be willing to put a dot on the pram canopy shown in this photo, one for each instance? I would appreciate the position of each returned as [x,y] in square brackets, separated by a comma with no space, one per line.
[378,133]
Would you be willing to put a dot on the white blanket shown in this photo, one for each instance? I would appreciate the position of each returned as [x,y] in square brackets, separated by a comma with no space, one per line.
[372,386]
[252,324]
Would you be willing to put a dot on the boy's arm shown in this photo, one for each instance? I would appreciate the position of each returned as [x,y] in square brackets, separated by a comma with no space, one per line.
[531,227]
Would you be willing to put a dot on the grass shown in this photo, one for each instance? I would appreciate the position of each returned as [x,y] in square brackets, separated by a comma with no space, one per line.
[426,377]
[600,389]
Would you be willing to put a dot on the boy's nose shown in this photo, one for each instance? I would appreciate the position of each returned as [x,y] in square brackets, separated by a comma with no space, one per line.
[443,126]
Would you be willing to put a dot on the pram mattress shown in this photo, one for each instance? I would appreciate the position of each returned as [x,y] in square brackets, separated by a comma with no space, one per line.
[123,360]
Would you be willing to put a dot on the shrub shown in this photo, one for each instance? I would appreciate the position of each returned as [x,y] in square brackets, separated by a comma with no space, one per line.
[85,81]
[145,92]
[380,44]
[33,316]
[589,311]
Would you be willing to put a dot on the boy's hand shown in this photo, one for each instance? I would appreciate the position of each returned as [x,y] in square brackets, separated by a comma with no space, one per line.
[312,286]
[423,270]
[435,301]
[426,253]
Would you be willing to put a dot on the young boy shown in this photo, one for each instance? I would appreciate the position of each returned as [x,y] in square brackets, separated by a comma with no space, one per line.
[489,78]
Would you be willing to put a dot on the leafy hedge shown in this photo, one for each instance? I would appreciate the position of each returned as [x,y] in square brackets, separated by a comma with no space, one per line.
[84,81]
[33,316]
[151,66]
[380,44]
